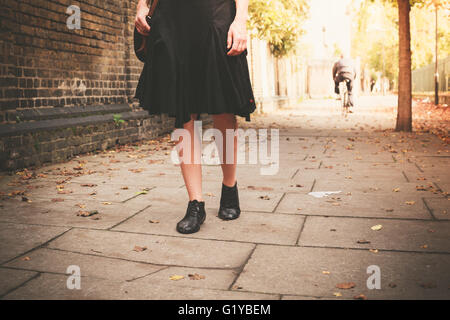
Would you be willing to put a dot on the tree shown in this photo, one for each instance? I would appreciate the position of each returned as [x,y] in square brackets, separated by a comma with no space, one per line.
[404,113]
[279,22]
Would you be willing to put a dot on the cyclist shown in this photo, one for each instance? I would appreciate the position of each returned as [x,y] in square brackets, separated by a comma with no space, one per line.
[344,69]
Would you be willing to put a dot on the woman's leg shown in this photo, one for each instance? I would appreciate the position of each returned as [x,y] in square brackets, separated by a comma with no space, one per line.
[192,172]
[192,175]
[223,122]
[229,199]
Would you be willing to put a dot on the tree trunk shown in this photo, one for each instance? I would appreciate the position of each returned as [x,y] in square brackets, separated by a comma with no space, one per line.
[404,113]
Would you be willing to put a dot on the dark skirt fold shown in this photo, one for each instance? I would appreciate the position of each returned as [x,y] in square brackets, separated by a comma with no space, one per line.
[188,70]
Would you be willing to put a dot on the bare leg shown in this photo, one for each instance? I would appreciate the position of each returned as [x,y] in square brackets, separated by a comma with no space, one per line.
[223,122]
[192,173]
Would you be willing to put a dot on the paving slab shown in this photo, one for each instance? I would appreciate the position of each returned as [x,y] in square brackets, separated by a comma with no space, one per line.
[161,250]
[65,213]
[255,227]
[54,287]
[11,279]
[315,272]
[440,207]
[101,191]
[425,236]
[356,204]
[192,278]
[398,189]
[57,261]
[16,239]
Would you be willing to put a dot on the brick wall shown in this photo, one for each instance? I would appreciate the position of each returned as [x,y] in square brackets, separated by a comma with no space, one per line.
[43,63]
[51,77]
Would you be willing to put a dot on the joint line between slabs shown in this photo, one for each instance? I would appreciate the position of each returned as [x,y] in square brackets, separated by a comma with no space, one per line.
[242,268]
[42,245]
[406,177]
[20,285]
[281,199]
[128,218]
[301,231]
[429,209]
[295,173]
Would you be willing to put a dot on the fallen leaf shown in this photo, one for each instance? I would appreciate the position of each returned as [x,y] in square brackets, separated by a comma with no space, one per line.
[139,249]
[337,294]
[345,285]
[360,297]
[373,250]
[153,221]
[196,276]
[176,277]
[64,191]
[26,259]
[326,272]
[396,190]
[106,202]
[377,227]
[86,213]
[259,188]
[410,203]
[57,200]
[428,285]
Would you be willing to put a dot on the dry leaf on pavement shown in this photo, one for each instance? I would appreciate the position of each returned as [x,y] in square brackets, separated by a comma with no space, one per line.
[82,213]
[346,285]
[377,227]
[196,276]
[139,248]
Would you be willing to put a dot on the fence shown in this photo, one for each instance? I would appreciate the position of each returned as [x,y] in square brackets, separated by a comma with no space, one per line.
[423,78]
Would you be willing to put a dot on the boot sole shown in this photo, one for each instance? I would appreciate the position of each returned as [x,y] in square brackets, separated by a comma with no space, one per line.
[195,230]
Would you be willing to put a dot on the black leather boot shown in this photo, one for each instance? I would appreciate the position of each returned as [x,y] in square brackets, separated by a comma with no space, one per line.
[229,203]
[194,218]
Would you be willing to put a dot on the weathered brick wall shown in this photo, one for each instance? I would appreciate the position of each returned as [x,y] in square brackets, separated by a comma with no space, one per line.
[43,63]
[52,76]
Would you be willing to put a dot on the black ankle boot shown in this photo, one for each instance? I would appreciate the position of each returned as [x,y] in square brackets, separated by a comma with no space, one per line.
[195,216]
[229,203]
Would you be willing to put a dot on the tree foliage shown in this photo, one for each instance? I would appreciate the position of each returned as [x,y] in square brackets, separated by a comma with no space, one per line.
[279,22]
[378,47]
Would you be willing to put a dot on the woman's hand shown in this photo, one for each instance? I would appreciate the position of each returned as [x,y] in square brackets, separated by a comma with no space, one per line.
[237,37]
[140,22]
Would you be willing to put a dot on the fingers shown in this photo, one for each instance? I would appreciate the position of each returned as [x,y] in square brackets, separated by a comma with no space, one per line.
[237,41]
[239,45]
[142,25]
[230,39]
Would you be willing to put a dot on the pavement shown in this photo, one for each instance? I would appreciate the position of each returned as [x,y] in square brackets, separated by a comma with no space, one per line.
[356,211]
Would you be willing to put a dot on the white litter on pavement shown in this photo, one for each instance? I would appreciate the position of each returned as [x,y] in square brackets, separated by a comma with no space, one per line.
[321,194]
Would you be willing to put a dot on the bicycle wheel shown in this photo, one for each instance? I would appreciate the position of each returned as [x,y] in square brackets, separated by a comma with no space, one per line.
[344,98]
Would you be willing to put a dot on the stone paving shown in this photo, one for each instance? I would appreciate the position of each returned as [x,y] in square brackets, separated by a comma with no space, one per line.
[391,211]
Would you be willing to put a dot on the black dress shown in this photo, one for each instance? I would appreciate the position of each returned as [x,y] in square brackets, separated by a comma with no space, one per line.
[188,70]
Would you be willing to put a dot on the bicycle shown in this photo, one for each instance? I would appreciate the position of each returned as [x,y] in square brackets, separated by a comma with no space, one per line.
[343,93]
